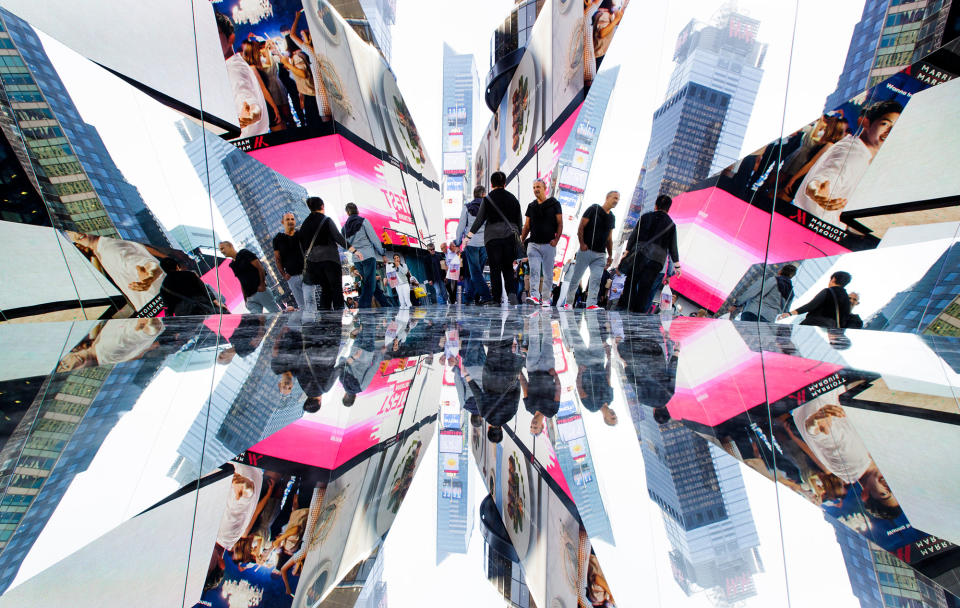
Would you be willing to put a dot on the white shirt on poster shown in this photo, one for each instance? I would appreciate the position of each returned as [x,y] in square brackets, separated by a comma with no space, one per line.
[843,165]
[246,89]
[120,260]
[840,450]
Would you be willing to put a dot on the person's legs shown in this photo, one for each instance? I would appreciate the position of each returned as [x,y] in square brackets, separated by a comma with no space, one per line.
[549,254]
[440,289]
[263,302]
[500,266]
[597,262]
[644,278]
[254,306]
[310,298]
[451,286]
[368,280]
[477,259]
[579,268]
[535,259]
[648,301]
[331,286]
[403,295]
[295,283]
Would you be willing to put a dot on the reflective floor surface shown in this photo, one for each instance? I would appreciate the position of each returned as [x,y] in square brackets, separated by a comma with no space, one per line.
[476,457]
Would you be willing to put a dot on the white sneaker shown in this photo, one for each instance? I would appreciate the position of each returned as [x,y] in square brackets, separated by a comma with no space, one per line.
[546,304]
[566,307]
[533,300]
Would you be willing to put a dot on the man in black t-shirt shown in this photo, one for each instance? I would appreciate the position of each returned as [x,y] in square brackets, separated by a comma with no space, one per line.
[289,260]
[595,234]
[249,271]
[544,225]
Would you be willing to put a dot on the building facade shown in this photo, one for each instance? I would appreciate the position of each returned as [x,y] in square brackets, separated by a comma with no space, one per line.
[683,141]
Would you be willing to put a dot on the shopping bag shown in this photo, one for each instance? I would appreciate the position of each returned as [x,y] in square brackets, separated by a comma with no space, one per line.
[420,291]
[453,269]
[392,279]
[666,298]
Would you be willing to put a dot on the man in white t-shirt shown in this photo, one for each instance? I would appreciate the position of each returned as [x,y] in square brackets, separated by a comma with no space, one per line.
[247,96]
[826,189]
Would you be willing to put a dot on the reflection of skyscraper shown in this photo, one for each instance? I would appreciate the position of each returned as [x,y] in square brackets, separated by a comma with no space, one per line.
[371,19]
[863,45]
[501,563]
[250,196]
[83,187]
[714,543]
[880,580]
[362,587]
[461,98]
[929,305]
[454,493]
[577,154]
[54,442]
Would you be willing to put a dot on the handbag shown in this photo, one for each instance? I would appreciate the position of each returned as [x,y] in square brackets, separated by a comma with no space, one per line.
[519,244]
[644,249]
[420,291]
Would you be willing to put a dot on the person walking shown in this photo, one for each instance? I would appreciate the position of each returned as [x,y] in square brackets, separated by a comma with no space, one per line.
[436,275]
[474,250]
[366,247]
[249,271]
[544,225]
[652,240]
[320,238]
[183,292]
[454,267]
[403,280]
[830,308]
[595,234]
[500,211]
[289,260]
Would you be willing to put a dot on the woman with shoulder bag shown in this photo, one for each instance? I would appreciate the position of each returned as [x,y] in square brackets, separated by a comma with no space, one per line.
[319,238]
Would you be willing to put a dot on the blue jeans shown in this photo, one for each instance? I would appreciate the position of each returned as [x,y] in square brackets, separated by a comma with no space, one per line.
[305,295]
[476,260]
[441,290]
[370,287]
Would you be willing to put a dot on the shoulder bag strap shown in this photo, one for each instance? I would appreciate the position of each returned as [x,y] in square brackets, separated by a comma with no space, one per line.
[502,216]
[313,240]
[654,237]
[836,307]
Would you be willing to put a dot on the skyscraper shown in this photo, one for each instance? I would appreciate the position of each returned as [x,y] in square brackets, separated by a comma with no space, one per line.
[461,98]
[83,187]
[727,57]
[699,129]
[714,543]
[683,142]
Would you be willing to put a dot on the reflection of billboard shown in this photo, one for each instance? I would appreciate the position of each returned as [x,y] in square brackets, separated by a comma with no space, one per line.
[339,171]
[454,141]
[454,163]
[573,179]
[338,77]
